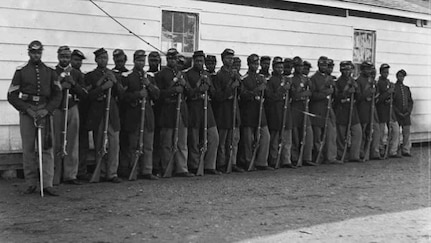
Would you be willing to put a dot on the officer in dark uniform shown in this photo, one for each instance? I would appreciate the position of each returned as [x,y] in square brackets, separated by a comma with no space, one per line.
[199,81]
[277,91]
[322,87]
[403,106]
[210,64]
[345,87]
[66,164]
[237,64]
[36,93]
[250,97]
[76,59]
[299,92]
[265,63]
[225,82]
[101,80]
[171,83]
[386,89]
[153,62]
[140,87]
[287,66]
[365,82]
[306,69]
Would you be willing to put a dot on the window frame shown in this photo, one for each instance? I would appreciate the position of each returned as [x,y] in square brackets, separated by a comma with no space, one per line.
[373,61]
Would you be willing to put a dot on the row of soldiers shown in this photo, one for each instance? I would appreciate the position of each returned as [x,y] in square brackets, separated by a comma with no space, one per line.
[199,121]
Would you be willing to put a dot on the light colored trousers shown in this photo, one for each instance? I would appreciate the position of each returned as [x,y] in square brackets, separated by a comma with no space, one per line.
[225,138]
[356,140]
[180,157]
[394,137]
[285,150]
[194,148]
[248,135]
[145,161]
[110,161]
[407,143]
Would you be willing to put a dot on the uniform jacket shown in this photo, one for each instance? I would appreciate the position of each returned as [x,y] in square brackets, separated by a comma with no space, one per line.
[383,103]
[342,105]
[248,103]
[195,100]
[97,99]
[318,99]
[300,83]
[77,91]
[222,102]
[274,104]
[168,99]
[364,100]
[403,104]
[35,80]
[132,101]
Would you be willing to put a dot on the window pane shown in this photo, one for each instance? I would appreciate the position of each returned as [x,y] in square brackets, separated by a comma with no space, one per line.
[189,43]
[190,24]
[178,22]
[167,21]
[179,30]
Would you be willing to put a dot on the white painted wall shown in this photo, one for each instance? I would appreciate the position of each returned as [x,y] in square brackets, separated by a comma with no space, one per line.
[247,30]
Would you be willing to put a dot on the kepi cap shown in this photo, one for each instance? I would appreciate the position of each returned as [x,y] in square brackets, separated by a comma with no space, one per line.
[265,58]
[198,54]
[138,54]
[172,52]
[345,65]
[236,60]
[384,66]
[297,61]
[307,64]
[330,62]
[277,60]
[78,53]
[154,55]
[100,51]
[366,64]
[35,46]
[64,50]
[118,52]
[210,58]
[402,72]
[226,52]
[323,60]
[252,58]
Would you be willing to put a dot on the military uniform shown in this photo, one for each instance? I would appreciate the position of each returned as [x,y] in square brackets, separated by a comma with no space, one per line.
[195,102]
[249,103]
[33,91]
[66,167]
[403,106]
[95,120]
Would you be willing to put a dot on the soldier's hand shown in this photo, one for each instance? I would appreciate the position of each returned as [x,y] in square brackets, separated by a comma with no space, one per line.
[66,85]
[108,84]
[41,113]
[285,86]
[235,84]
[373,90]
[70,80]
[328,91]
[146,81]
[391,90]
[178,89]
[306,93]
[111,77]
[351,90]
[143,93]
[31,112]
[204,87]
[260,87]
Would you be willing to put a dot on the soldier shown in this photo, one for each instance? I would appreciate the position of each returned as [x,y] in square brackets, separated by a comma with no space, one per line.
[153,62]
[330,69]
[35,93]
[225,83]
[322,87]
[102,80]
[366,82]
[287,66]
[210,64]
[345,87]
[171,83]
[300,92]
[120,60]
[383,106]
[237,64]
[306,69]
[403,106]
[265,63]
[199,81]
[252,87]
[140,87]
[72,82]
[276,94]
[76,59]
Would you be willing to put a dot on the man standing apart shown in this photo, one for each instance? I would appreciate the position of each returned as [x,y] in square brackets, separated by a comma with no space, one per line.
[35,93]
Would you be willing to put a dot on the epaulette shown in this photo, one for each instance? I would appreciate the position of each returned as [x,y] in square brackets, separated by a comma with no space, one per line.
[126,74]
[21,66]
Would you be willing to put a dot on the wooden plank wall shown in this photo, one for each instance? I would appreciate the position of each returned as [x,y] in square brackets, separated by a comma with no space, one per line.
[247,30]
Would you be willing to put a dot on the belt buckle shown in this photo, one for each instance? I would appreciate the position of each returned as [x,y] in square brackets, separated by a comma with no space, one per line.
[36,98]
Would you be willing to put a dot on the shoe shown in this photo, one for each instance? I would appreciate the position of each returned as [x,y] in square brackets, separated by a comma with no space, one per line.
[148,177]
[194,171]
[184,174]
[264,168]
[309,163]
[30,190]
[395,156]
[406,154]
[291,166]
[50,191]
[84,177]
[376,158]
[355,160]
[237,169]
[72,182]
[335,161]
[115,180]
[212,172]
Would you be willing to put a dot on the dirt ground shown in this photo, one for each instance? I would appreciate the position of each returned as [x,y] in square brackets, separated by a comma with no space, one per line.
[216,208]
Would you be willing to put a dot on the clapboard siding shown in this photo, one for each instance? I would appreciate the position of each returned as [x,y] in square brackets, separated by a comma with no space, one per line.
[79,24]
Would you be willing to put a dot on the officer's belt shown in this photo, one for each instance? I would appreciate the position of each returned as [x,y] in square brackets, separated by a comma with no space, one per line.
[33,98]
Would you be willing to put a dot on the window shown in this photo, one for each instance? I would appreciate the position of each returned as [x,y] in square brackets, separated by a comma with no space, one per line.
[364,48]
[180,31]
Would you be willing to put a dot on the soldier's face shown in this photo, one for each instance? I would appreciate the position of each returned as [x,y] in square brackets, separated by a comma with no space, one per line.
[210,66]
[120,61]
[346,72]
[139,63]
[329,70]
[198,62]
[171,61]
[102,60]
[306,70]
[253,66]
[154,63]
[299,69]
[35,56]
[323,68]
[400,77]
[64,59]
[385,73]
[278,68]
[228,60]
[76,62]
[287,69]
[265,65]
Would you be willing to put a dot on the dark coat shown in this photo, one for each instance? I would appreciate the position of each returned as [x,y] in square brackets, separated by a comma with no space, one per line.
[274,104]
[364,100]
[403,104]
[250,106]
[97,99]
[342,106]
[383,102]
[319,100]
[133,101]
[195,100]
[77,91]
[168,99]
[222,97]
[300,83]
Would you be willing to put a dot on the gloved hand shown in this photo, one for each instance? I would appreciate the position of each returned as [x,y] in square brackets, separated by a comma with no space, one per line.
[41,113]
[235,84]
[31,112]
[66,85]
[111,77]
[69,79]
[108,84]
[143,93]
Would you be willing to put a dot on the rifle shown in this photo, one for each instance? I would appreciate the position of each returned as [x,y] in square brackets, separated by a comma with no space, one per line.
[370,136]
[348,138]
[170,166]
[140,148]
[235,108]
[39,152]
[283,126]
[389,127]
[304,130]
[325,129]
[258,133]
[63,151]
[204,147]
[104,149]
